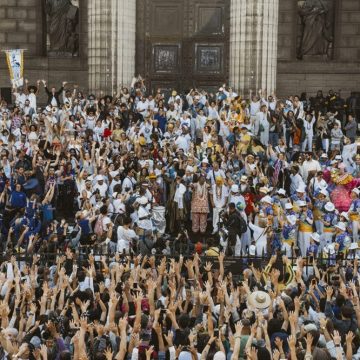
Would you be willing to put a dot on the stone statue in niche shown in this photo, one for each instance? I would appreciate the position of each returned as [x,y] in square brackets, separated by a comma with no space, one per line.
[62,27]
[317,28]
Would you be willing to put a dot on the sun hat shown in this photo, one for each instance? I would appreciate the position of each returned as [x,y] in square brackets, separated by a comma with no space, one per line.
[267,199]
[301,203]
[345,215]
[341,226]
[259,299]
[316,237]
[329,206]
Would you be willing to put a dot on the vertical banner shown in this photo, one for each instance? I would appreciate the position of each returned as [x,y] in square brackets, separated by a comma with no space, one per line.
[15,61]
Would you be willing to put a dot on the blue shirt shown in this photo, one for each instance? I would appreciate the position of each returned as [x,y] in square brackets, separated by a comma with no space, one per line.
[18,199]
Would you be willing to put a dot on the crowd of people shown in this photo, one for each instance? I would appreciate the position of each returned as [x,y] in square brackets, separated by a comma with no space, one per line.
[141,181]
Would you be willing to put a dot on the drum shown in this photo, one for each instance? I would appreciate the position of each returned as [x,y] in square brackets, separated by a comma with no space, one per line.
[158,218]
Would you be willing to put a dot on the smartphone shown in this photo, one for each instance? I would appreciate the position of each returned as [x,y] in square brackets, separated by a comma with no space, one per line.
[205,308]
[216,332]
[135,285]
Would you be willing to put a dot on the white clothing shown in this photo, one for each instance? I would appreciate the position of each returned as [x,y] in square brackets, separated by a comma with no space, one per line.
[128,183]
[102,188]
[144,221]
[296,181]
[179,195]
[349,151]
[309,165]
[124,238]
[260,238]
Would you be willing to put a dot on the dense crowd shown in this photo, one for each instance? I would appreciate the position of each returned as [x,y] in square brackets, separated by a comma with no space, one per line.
[141,181]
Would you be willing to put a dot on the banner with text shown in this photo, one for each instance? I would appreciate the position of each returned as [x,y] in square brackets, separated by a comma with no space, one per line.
[15,61]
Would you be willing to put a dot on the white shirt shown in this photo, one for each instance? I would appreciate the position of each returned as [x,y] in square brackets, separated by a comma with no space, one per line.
[102,188]
[307,166]
[20,99]
[128,183]
[183,142]
[254,107]
[32,99]
[124,238]
[220,201]
[143,221]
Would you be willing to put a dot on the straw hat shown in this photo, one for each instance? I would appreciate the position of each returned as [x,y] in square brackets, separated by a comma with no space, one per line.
[259,299]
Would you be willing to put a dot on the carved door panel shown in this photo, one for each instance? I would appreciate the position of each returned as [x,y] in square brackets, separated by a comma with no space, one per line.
[182,43]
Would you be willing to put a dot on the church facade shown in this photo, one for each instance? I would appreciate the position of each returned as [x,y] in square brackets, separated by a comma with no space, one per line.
[283,46]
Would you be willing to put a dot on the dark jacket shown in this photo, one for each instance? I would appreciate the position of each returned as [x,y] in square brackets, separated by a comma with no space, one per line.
[56,95]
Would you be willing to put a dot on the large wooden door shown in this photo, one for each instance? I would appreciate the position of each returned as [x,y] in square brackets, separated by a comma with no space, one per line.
[182,44]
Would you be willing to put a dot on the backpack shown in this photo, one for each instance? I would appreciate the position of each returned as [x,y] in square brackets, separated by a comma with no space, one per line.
[242,224]
[98,228]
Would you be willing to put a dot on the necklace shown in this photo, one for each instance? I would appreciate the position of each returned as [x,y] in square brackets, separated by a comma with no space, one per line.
[218,192]
[201,191]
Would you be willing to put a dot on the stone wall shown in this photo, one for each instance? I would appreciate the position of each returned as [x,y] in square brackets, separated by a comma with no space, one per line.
[21,26]
[343,72]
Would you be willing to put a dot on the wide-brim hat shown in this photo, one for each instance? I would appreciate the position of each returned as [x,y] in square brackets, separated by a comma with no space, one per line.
[259,299]
[288,206]
[301,189]
[267,199]
[345,215]
[316,237]
[341,226]
[329,206]
[301,203]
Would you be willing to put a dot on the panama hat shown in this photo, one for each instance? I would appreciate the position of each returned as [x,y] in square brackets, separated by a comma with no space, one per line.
[259,299]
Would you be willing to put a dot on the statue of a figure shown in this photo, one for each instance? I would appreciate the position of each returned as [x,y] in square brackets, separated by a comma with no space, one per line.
[62,27]
[317,23]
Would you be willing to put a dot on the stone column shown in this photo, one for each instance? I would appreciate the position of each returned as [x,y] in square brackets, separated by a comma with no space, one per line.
[253,45]
[111,44]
